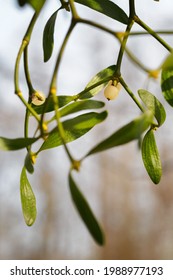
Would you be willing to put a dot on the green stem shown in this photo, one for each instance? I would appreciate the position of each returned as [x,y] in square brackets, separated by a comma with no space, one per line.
[125,38]
[99,26]
[28,106]
[131,94]
[152,33]
[60,127]
[123,46]
[52,92]
[16,70]
[162,32]
[31,90]
[73,9]
[132,9]
[24,44]
[56,69]
[53,84]
[27,74]
[136,61]
[26,124]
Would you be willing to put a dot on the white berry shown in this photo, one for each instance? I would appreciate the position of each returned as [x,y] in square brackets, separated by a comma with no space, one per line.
[111,92]
[38,98]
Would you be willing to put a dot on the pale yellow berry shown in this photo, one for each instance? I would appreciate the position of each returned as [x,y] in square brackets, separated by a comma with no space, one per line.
[38,98]
[111,92]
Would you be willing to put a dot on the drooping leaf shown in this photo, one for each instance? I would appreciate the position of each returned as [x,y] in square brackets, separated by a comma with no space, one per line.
[153,104]
[85,212]
[167,85]
[7,144]
[28,199]
[36,4]
[48,36]
[74,128]
[151,157]
[97,83]
[127,133]
[106,7]
[62,101]
[81,105]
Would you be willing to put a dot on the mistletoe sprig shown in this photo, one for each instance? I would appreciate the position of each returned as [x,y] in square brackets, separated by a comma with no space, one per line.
[143,127]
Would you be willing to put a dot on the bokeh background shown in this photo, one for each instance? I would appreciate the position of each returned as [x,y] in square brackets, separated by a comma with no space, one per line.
[136,215]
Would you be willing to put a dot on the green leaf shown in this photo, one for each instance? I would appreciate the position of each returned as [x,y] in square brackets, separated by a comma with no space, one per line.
[151,158]
[106,7]
[27,199]
[168,63]
[36,4]
[167,85]
[85,212]
[7,144]
[28,163]
[62,101]
[127,133]
[154,105]
[77,106]
[73,128]
[48,36]
[97,83]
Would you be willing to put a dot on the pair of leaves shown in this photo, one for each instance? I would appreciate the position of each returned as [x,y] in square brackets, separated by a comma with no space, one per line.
[73,128]
[85,212]
[7,144]
[126,134]
[28,199]
[150,153]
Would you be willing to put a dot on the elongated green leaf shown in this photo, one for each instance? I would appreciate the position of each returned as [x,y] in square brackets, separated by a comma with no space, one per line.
[127,133]
[7,144]
[48,36]
[106,7]
[27,199]
[154,105]
[62,101]
[74,128]
[36,4]
[97,83]
[151,157]
[85,212]
[167,85]
[81,105]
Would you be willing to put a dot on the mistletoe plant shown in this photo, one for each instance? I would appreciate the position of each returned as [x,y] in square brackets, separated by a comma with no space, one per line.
[37,106]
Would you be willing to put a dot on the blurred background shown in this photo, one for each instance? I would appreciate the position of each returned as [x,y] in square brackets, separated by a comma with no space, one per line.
[136,215]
